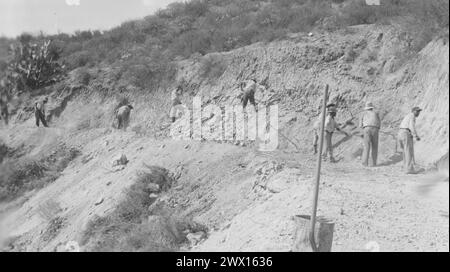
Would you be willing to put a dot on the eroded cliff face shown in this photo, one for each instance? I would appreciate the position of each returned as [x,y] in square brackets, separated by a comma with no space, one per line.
[431,79]
[362,63]
[365,63]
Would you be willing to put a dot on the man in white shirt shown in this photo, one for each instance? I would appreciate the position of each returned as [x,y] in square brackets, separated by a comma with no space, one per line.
[370,123]
[39,112]
[330,127]
[406,136]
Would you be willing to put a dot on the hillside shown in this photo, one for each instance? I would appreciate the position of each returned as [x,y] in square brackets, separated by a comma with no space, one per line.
[237,197]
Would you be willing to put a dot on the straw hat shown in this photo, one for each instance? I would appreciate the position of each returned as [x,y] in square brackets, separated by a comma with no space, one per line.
[369,106]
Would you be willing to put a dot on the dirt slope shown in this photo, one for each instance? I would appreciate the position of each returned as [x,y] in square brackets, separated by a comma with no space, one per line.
[246,197]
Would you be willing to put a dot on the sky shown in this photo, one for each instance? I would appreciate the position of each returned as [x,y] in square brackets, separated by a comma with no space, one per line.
[67,16]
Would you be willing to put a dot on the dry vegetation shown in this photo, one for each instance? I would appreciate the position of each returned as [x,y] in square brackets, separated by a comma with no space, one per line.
[19,175]
[132,226]
[144,50]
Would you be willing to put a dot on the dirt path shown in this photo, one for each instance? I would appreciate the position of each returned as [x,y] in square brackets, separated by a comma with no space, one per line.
[226,188]
[378,205]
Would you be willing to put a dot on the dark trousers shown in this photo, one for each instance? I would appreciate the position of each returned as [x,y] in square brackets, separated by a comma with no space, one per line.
[249,97]
[5,116]
[40,117]
[123,122]
[370,145]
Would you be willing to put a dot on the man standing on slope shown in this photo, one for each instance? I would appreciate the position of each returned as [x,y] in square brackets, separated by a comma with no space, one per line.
[316,129]
[4,114]
[123,116]
[39,111]
[248,89]
[406,136]
[176,103]
[330,127]
[370,122]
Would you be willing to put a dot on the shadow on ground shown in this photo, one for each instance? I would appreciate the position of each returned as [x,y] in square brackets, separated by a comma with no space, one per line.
[394,159]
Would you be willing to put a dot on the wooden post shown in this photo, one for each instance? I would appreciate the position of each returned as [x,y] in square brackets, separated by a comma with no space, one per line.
[323,234]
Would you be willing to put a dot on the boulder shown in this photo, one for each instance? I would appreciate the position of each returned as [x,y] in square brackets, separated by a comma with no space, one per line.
[195,238]
[153,196]
[120,160]
[153,188]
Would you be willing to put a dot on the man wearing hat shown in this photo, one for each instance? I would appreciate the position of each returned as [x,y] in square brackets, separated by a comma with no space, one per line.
[316,128]
[406,136]
[330,127]
[39,111]
[123,116]
[370,122]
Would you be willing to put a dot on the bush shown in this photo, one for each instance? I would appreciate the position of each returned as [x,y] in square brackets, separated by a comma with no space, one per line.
[207,26]
[4,150]
[433,12]
[79,59]
[20,175]
[132,227]
[147,72]
[89,120]
[212,66]
[82,76]
[350,55]
[17,178]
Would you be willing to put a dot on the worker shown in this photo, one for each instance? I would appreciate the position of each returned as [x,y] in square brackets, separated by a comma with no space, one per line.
[39,112]
[248,89]
[330,127]
[176,103]
[316,129]
[370,122]
[406,135]
[123,116]
[4,114]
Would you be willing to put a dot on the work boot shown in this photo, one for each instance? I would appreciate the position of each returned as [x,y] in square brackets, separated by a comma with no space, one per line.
[411,172]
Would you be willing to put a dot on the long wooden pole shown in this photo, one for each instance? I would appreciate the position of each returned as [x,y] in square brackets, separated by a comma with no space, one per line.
[312,238]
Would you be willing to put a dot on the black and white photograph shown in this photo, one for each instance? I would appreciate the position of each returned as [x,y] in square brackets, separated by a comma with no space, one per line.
[225,132]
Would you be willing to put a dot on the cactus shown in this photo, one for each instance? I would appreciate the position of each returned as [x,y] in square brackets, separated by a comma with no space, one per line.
[34,66]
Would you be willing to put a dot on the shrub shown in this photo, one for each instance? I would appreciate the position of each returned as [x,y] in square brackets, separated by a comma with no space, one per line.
[20,175]
[82,76]
[79,59]
[206,26]
[17,178]
[212,66]
[132,227]
[350,55]
[4,150]
[147,72]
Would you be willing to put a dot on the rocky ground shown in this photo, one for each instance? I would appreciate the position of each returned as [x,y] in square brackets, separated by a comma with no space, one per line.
[246,198]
